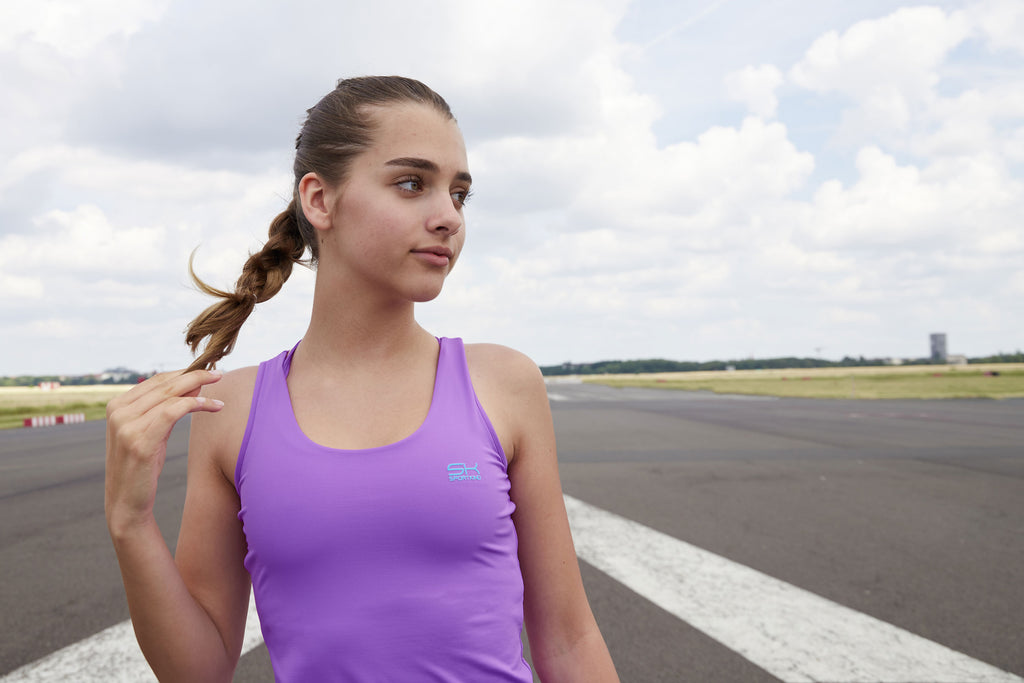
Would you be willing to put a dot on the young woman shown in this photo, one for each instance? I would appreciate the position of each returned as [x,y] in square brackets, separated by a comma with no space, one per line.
[392,498]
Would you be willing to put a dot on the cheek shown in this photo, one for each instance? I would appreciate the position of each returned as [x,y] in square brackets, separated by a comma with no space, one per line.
[364,233]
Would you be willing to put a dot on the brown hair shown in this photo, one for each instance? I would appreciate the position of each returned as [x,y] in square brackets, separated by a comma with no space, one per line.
[336,130]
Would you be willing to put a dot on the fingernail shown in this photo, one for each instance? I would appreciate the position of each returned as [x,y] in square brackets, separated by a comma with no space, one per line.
[216,373]
[217,402]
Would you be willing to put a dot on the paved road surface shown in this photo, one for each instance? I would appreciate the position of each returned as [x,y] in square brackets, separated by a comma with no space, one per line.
[750,539]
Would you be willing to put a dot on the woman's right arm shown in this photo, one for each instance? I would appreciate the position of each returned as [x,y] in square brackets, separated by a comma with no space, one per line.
[189,615]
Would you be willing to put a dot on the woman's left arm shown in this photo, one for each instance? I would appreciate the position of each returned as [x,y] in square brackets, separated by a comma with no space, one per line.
[565,642]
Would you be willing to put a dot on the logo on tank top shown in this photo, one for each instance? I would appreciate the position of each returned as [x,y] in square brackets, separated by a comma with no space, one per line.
[460,471]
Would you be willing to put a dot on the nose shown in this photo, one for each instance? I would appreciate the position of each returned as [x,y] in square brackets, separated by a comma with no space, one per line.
[447,218]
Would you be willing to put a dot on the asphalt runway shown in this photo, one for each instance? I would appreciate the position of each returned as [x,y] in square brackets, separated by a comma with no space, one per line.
[910,512]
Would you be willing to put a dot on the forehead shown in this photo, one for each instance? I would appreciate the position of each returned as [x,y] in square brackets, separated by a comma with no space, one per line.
[417,131]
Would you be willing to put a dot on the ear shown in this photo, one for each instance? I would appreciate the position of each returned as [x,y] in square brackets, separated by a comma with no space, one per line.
[317,201]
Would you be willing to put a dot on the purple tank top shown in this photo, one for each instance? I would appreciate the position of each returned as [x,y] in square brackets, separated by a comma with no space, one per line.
[396,563]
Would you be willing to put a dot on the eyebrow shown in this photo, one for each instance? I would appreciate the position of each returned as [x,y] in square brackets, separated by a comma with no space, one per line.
[426,165]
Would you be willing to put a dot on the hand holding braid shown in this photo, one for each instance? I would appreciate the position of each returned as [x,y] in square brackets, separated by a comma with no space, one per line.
[262,277]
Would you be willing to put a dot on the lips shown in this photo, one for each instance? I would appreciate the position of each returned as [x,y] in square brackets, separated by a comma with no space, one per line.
[440,251]
[438,256]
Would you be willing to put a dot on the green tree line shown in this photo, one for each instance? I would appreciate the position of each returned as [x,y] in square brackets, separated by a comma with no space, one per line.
[627,367]
[72,380]
[609,367]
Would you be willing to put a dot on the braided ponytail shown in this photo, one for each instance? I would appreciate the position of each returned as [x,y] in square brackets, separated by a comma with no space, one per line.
[338,128]
[262,277]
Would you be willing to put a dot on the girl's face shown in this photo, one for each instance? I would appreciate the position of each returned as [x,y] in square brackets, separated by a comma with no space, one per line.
[396,221]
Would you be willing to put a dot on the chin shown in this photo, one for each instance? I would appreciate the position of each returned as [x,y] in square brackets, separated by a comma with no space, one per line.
[424,297]
[426,293]
[427,289]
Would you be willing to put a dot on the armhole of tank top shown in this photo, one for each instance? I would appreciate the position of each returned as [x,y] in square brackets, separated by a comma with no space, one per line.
[495,441]
[488,425]
[260,374]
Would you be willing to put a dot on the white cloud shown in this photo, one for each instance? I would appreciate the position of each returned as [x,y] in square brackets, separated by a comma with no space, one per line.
[884,176]
[899,52]
[1015,285]
[851,317]
[1001,22]
[978,120]
[754,86]
[82,240]
[942,206]
[73,28]
[64,327]
[20,291]
[786,257]
[642,189]
[1014,147]
[887,67]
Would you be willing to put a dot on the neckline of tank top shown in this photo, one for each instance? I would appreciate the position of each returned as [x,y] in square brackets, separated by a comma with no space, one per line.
[443,344]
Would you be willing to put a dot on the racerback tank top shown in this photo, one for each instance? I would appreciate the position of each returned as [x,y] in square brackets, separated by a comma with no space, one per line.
[396,563]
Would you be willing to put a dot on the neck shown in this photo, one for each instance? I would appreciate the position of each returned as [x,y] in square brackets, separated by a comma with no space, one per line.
[346,331]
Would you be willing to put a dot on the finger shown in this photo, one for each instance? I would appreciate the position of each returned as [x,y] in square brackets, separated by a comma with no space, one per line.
[160,388]
[136,453]
[174,383]
[136,394]
[138,390]
[188,383]
[163,418]
[149,432]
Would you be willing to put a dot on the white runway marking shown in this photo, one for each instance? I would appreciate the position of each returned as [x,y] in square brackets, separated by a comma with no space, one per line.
[110,656]
[795,635]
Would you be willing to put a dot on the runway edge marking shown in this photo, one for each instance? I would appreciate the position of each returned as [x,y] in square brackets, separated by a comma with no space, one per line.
[110,656]
[793,634]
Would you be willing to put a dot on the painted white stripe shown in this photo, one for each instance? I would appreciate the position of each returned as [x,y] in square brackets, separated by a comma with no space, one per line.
[557,397]
[795,635]
[110,656]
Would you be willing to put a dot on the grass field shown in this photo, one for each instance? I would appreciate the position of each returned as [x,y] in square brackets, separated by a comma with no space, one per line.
[17,403]
[1004,380]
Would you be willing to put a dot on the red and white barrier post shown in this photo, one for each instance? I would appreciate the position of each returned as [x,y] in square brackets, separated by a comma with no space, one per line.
[50,420]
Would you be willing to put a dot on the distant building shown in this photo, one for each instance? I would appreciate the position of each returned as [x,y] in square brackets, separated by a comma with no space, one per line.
[938,341]
[116,375]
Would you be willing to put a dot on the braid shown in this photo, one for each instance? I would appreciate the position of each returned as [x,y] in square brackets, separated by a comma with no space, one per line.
[263,275]
[337,129]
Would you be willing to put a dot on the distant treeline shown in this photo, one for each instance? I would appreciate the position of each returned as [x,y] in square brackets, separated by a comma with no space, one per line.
[627,367]
[1000,358]
[606,367]
[71,380]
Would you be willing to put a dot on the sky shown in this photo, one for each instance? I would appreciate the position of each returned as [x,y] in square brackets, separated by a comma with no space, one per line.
[691,180]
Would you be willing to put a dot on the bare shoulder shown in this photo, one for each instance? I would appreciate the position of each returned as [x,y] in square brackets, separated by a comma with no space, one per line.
[234,385]
[501,366]
[219,435]
[510,389]
[506,363]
